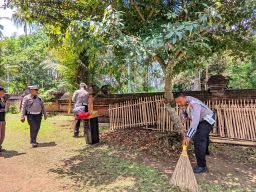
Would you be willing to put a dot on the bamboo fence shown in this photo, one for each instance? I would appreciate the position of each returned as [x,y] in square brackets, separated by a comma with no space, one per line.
[235,119]
[136,113]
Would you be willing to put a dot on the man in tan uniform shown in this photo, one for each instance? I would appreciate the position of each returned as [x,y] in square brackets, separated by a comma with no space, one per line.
[80,99]
[202,121]
[33,107]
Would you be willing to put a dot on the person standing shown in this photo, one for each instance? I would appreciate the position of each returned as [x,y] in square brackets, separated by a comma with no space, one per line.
[80,99]
[2,117]
[202,121]
[33,107]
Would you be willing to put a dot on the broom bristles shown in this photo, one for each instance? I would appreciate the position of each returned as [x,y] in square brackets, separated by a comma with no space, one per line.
[183,175]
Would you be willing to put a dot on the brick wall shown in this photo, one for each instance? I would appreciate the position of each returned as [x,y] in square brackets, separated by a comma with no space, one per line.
[101,104]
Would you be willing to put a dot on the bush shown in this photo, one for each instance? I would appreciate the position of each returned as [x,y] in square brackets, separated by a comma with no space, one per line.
[13,109]
[46,95]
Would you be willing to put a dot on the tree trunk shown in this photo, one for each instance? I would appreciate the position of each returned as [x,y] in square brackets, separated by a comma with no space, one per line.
[169,99]
[145,79]
[206,77]
[197,82]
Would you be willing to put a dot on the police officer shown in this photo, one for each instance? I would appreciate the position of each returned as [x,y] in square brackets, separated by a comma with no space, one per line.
[202,121]
[33,107]
[80,99]
[2,117]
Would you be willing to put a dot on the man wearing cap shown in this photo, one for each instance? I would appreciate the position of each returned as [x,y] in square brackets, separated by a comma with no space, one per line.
[202,121]
[33,107]
[80,99]
[2,116]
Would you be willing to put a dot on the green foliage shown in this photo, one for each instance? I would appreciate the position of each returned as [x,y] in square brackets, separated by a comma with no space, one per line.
[46,95]
[95,44]
[24,62]
[242,75]
[13,109]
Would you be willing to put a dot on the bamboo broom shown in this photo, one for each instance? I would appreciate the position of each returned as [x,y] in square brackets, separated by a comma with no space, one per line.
[183,175]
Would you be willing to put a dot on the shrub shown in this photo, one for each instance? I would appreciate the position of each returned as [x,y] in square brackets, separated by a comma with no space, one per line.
[13,109]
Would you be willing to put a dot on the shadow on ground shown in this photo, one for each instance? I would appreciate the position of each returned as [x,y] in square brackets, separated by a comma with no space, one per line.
[48,144]
[10,154]
[102,169]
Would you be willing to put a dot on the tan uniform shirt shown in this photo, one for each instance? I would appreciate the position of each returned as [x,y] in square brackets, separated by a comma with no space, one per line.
[196,111]
[80,97]
[32,105]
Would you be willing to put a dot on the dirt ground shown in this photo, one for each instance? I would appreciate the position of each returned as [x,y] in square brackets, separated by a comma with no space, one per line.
[130,160]
[230,166]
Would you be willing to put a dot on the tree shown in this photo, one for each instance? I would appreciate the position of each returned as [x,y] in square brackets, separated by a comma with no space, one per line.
[175,33]
[22,62]
[195,30]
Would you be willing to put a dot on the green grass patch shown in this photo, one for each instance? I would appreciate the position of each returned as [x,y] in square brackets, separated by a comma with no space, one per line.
[206,187]
[101,168]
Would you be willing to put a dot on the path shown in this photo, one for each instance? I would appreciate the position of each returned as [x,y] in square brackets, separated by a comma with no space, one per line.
[26,169]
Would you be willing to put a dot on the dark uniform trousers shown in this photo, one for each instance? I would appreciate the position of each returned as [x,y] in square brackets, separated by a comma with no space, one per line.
[201,142]
[34,122]
[77,122]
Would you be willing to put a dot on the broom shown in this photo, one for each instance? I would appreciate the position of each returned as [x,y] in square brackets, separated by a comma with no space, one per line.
[183,175]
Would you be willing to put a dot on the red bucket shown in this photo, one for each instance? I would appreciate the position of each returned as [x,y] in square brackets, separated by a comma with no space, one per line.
[82,115]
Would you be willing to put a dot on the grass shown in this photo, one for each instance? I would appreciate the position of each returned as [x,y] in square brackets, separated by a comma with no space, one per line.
[206,187]
[101,169]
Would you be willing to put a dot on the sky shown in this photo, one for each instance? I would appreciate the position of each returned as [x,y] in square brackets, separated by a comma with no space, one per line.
[9,27]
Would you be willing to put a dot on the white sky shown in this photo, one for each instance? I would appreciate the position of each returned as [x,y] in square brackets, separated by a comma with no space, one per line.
[9,27]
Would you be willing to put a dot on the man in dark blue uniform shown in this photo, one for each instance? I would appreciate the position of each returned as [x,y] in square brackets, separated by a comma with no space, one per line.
[2,117]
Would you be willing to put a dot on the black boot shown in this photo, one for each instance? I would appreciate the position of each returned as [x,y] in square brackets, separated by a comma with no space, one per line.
[34,145]
[1,149]
[200,170]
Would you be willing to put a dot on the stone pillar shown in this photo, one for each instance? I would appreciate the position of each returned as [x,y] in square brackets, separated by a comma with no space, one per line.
[217,85]
[90,102]
[91,92]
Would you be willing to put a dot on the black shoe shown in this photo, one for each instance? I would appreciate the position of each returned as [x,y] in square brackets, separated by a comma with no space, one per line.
[76,135]
[200,170]
[34,145]
[207,153]
[2,150]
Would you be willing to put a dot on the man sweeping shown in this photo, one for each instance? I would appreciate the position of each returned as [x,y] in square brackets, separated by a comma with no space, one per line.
[202,121]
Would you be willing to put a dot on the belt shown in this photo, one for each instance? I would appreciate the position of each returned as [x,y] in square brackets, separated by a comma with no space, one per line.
[80,104]
[34,113]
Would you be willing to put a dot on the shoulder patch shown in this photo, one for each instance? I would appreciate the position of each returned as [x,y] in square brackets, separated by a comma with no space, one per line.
[26,97]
